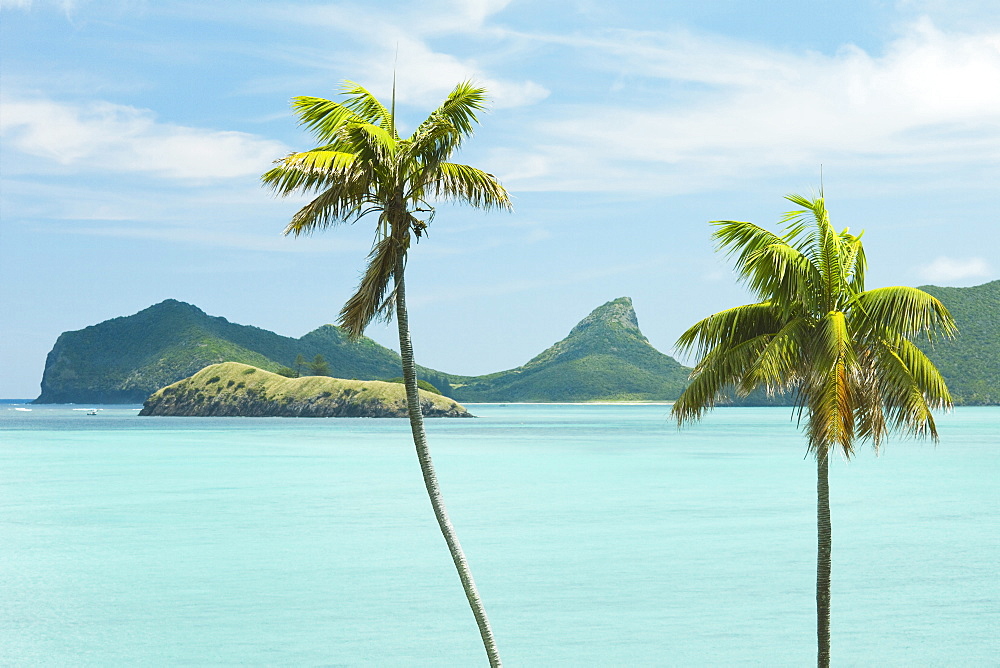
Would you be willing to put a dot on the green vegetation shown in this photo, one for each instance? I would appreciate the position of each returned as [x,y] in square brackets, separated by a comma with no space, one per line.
[126,359]
[605,357]
[421,383]
[362,166]
[319,367]
[844,352]
[970,363]
[222,390]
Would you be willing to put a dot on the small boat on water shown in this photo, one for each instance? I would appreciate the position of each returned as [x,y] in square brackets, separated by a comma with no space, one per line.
[93,411]
[26,410]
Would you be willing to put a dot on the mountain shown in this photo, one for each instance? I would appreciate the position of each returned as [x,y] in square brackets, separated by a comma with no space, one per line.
[233,389]
[126,359]
[605,357]
[970,363]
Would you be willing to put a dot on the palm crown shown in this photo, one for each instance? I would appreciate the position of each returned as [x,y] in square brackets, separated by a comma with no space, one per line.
[362,167]
[844,352]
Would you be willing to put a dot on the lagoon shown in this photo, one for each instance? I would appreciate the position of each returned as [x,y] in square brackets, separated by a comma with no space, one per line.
[598,535]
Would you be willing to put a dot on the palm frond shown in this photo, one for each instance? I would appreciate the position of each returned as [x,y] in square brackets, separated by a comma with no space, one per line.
[721,369]
[368,108]
[855,263]
[779,367]
[468,184]
[324,118]
[372,144]
[370,301]
[730,328]
[902,310]
[829,386]
[907,405]
[459,108]
[765,262]
[343,202]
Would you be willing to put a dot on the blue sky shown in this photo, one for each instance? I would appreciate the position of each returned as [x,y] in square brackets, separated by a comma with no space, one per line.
[134,134]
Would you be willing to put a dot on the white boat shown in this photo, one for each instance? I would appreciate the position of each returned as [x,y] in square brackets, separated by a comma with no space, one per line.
[93,411]
[26,410]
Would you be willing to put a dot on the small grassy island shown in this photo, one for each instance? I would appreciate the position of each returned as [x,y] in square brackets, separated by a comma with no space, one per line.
[234,389]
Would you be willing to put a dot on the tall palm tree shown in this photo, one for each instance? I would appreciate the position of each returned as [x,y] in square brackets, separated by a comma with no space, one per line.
[362,166]
[844,353]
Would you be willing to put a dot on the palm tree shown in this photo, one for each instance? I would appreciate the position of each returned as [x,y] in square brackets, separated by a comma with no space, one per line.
[363,167]
[844,353]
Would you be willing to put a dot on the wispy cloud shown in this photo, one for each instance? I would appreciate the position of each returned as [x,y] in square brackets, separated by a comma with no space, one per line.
[931,98]
[398,43]
[948,270]
[111,137]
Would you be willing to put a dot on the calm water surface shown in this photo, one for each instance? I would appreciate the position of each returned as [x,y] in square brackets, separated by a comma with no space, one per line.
[598,535]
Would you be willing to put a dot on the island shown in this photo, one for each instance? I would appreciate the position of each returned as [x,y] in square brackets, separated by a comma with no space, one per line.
[235,389]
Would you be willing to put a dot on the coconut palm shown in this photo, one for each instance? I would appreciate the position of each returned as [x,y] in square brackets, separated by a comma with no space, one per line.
[363,167]
[844,353]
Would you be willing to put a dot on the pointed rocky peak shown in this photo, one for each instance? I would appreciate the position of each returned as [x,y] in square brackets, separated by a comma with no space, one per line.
[617,314]
[610,329]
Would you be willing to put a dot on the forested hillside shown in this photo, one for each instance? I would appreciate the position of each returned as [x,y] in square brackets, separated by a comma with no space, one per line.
[970,363]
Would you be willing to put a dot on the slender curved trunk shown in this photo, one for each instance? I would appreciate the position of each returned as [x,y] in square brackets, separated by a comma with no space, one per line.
[430,477]
[824,545]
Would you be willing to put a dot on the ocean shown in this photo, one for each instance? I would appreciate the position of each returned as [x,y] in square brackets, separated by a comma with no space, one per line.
[599,535]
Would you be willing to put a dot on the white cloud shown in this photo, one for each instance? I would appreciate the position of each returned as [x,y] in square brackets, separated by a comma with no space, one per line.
[397,42]
[424,76]
[933,98]
[947,270]
[113,137]
[67,6]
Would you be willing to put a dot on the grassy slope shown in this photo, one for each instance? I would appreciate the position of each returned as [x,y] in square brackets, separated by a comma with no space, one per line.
[234,384]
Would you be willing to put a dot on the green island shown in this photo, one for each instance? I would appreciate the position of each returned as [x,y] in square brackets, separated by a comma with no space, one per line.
[604,358]
[235,389]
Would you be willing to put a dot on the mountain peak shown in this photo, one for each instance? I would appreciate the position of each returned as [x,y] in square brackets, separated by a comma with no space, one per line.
[617,314]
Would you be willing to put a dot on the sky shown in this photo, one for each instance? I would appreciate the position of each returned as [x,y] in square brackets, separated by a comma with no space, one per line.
[134,134]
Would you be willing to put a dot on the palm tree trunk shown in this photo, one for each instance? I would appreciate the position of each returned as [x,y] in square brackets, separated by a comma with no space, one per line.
[824,540]
[430,477]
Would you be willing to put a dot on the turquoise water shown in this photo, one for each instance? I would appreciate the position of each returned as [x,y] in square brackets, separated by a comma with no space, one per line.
[598,535]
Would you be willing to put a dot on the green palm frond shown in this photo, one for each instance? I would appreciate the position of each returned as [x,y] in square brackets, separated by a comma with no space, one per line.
[720,370]
[926,377]
[371,144]
[459,109]
[470,185]
[368,108]
[730,328]
[765,262]
[904,311]
[855,262]
[324,118]
[829,387]
[779,366]
[907,408]
[343,202]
